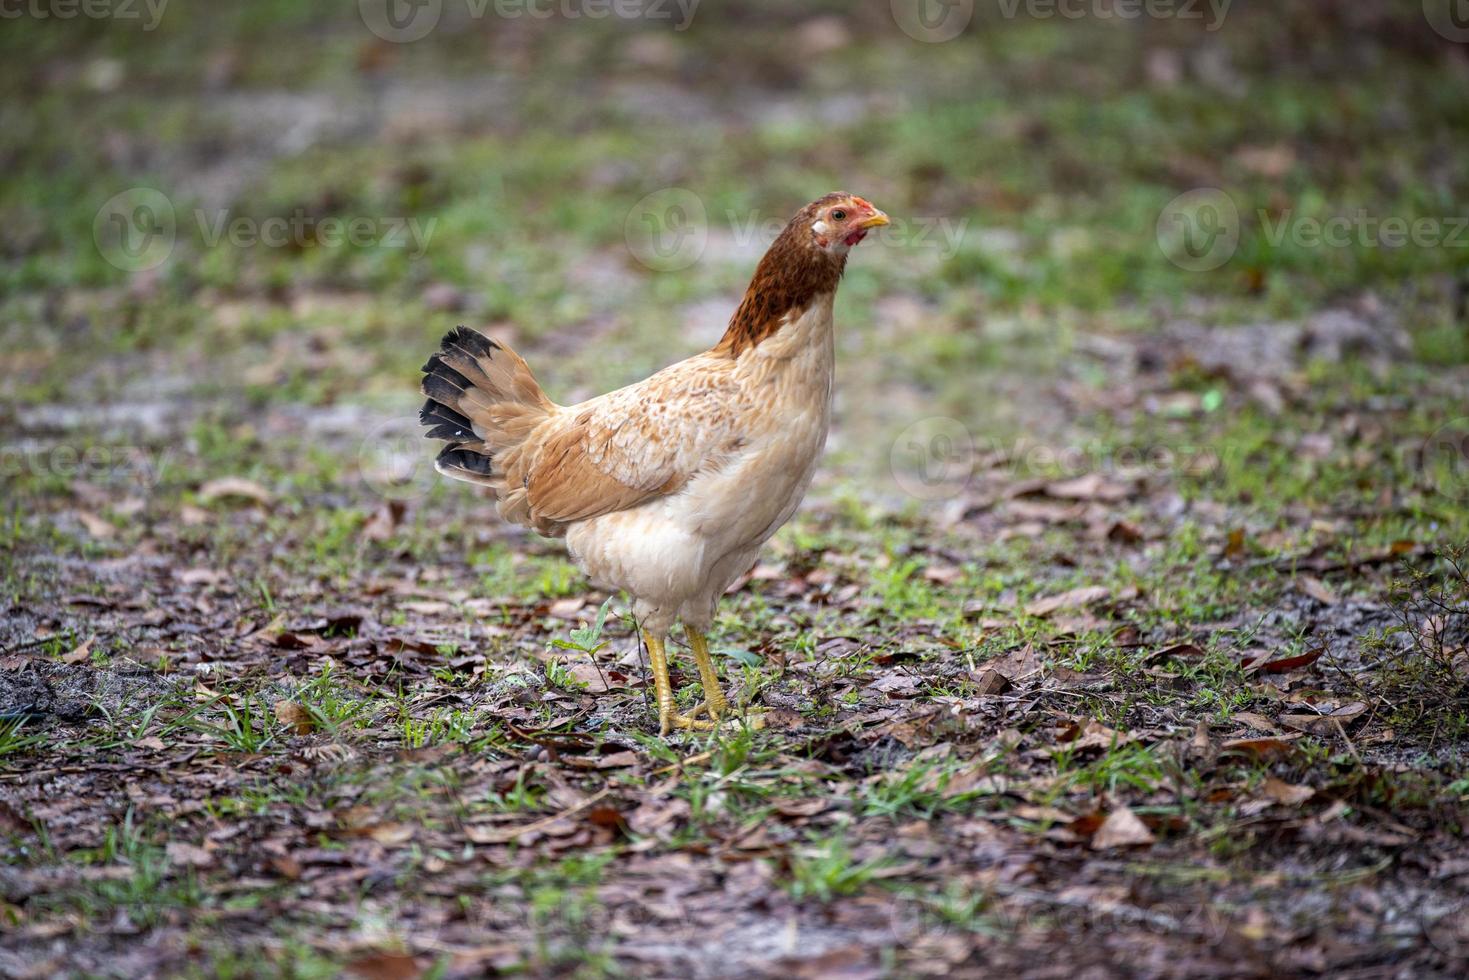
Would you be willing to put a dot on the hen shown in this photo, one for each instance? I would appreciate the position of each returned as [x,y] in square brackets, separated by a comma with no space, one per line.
[666,488]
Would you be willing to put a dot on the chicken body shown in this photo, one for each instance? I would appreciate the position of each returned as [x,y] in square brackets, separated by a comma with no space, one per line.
[669,487]
[676,554]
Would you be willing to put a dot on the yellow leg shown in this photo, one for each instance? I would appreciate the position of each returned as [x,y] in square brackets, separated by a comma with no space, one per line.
[713,694]
[663,690]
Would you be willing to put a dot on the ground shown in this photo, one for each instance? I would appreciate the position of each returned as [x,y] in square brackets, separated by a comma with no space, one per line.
[1122,633]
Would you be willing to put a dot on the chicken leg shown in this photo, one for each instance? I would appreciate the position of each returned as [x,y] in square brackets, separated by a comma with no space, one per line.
[669,719]
[714,699]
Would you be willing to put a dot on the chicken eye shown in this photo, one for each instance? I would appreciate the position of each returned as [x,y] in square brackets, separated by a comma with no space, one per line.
[839,215]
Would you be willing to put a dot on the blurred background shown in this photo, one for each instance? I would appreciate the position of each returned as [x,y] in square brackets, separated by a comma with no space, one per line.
[242,225]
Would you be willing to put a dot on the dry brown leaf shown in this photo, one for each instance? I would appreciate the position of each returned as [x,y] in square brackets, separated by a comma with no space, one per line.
[96,526]
[567,608]
[1286,793]
[234,488]
[188,855]
[1284,664]
[1317,589]
[1260,747]
[294,715]
[384,521]
[387,966]
[1084,596]
[1092,486]
[1325,724]
[390,834]
[80,653]
[990,682]
[1122,828]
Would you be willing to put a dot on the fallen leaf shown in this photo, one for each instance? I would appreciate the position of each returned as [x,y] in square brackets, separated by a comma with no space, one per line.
[990,682]
[1284,664]
[294,715]
[234,487]
[567,608]
[1286,793]
[1324,724]
[96,526]
[1176,651]
[188,855]
[1122,828]
[1316,589]
[1084,596]
[387,966]
[384,521]
[1092,486]
[1124,532]
[1259,747]
[80,653]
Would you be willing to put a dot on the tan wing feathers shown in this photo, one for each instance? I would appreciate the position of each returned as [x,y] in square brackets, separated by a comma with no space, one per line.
[626,447]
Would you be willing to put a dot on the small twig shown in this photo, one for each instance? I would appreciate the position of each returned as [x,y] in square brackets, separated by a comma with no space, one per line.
[547,821]
[69,635]
[1350,746]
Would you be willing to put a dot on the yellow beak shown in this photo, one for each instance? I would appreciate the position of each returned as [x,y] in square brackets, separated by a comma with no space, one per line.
[876,220]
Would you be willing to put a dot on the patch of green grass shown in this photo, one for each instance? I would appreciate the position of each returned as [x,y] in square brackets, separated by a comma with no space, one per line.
[138,880]
[825,869]
[13,741]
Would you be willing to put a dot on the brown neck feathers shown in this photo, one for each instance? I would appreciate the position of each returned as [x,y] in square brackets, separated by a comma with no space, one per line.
[792,274]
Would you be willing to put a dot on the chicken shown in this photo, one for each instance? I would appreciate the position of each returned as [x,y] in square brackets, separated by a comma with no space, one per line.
[669,487]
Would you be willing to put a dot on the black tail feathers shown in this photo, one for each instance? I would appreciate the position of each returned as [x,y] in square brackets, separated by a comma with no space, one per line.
[445,386]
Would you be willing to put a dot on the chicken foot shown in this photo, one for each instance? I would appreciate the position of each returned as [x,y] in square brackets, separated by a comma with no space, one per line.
[668,718]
